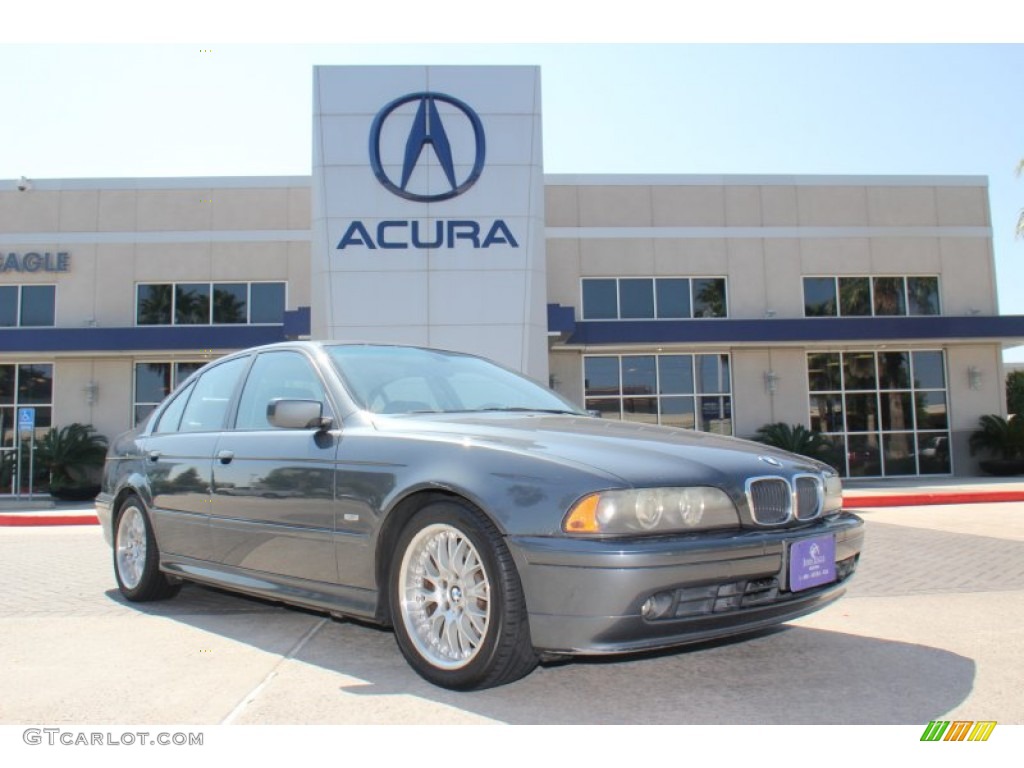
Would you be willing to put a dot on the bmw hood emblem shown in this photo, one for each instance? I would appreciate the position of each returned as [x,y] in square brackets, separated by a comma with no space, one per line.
[770,460]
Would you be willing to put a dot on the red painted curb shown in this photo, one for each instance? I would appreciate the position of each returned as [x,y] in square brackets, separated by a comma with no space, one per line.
[929,499]
[32,520]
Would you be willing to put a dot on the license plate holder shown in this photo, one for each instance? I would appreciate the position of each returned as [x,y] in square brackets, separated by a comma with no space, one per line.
[812,562]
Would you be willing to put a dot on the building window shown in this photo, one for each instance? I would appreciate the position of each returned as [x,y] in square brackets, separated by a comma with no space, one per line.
[209,303]
[22,385]
[192,304]
[885,413]
[923,295]
[230,303]
[154,381]
[653,298]
[689,391]
[27,306]
[866,296]
[267,302]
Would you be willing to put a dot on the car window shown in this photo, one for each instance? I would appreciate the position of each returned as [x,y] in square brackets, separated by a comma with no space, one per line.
[171,417]
[277,375]
[211,395]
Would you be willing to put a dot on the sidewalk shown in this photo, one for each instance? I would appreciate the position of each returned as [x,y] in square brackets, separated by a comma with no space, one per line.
[858,494]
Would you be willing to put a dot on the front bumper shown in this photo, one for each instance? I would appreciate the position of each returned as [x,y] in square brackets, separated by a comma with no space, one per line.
[585,595]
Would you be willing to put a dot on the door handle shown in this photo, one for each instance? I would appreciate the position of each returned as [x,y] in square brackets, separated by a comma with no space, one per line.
[154,455]
[225,457]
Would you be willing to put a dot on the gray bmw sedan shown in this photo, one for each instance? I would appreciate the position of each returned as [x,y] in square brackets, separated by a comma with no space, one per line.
[492,523]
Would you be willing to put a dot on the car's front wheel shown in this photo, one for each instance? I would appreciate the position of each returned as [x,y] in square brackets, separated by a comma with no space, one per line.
[136,557]
[457,603]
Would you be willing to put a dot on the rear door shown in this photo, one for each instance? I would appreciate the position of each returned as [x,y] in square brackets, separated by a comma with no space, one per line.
[179,459]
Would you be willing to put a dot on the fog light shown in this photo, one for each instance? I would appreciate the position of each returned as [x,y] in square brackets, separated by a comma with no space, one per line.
[845,568]
[656,606]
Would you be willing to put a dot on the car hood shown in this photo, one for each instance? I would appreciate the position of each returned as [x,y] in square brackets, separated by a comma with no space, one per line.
[638,454]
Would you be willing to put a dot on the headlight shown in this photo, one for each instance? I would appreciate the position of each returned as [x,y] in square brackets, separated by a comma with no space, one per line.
[833,501]
[651,510]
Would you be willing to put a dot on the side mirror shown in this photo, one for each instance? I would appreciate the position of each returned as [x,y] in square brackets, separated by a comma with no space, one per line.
[594,414]
[298,414]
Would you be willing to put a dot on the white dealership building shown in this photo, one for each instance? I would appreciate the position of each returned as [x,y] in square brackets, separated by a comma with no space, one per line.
[862,307]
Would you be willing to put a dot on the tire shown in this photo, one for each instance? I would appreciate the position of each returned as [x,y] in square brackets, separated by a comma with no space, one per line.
[456,601]
[136,557]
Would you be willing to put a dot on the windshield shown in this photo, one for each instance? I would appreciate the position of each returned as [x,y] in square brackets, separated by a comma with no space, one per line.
[411,380]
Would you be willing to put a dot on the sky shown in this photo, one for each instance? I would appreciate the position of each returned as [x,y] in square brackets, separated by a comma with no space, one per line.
[77,110]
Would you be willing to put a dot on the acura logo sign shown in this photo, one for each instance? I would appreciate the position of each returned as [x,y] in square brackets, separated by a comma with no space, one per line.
[398,150]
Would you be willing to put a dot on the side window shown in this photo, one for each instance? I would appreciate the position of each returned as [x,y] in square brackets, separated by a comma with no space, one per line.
[211,395]
[286,375]
[171,417]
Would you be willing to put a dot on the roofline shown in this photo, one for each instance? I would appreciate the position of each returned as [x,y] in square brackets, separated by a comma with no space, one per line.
[550,179]
[167,182]
[747,180]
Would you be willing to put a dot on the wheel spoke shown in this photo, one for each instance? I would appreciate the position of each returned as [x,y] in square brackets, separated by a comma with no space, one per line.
[470,629]
[459,556]
[431,567]
[479,591]
[450,643]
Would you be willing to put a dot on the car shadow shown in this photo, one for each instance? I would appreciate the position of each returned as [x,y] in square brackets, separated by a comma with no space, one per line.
[784,675]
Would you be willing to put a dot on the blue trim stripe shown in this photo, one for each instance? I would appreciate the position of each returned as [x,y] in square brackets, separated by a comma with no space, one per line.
[297,322]
[155,338]
[561,320]
[1007,328]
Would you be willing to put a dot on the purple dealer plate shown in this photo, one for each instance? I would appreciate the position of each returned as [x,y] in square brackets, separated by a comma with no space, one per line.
[812,562]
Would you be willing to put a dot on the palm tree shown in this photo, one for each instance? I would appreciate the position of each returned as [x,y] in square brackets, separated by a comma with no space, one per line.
[1001,437]
[71,455]
[191,305]
[795,439]
[855,295]
[710,298]
[227,308]
[155,305]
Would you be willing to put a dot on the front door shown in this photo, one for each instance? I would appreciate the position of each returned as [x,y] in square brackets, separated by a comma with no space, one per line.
[273,502]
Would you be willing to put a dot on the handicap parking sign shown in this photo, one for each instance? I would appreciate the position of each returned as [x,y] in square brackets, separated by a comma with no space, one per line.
[26,420]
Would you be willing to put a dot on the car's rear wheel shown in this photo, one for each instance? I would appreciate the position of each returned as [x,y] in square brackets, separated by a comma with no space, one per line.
[457,603]
[136,557]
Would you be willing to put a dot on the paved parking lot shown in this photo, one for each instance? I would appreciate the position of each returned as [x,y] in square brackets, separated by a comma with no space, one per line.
[931,627]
